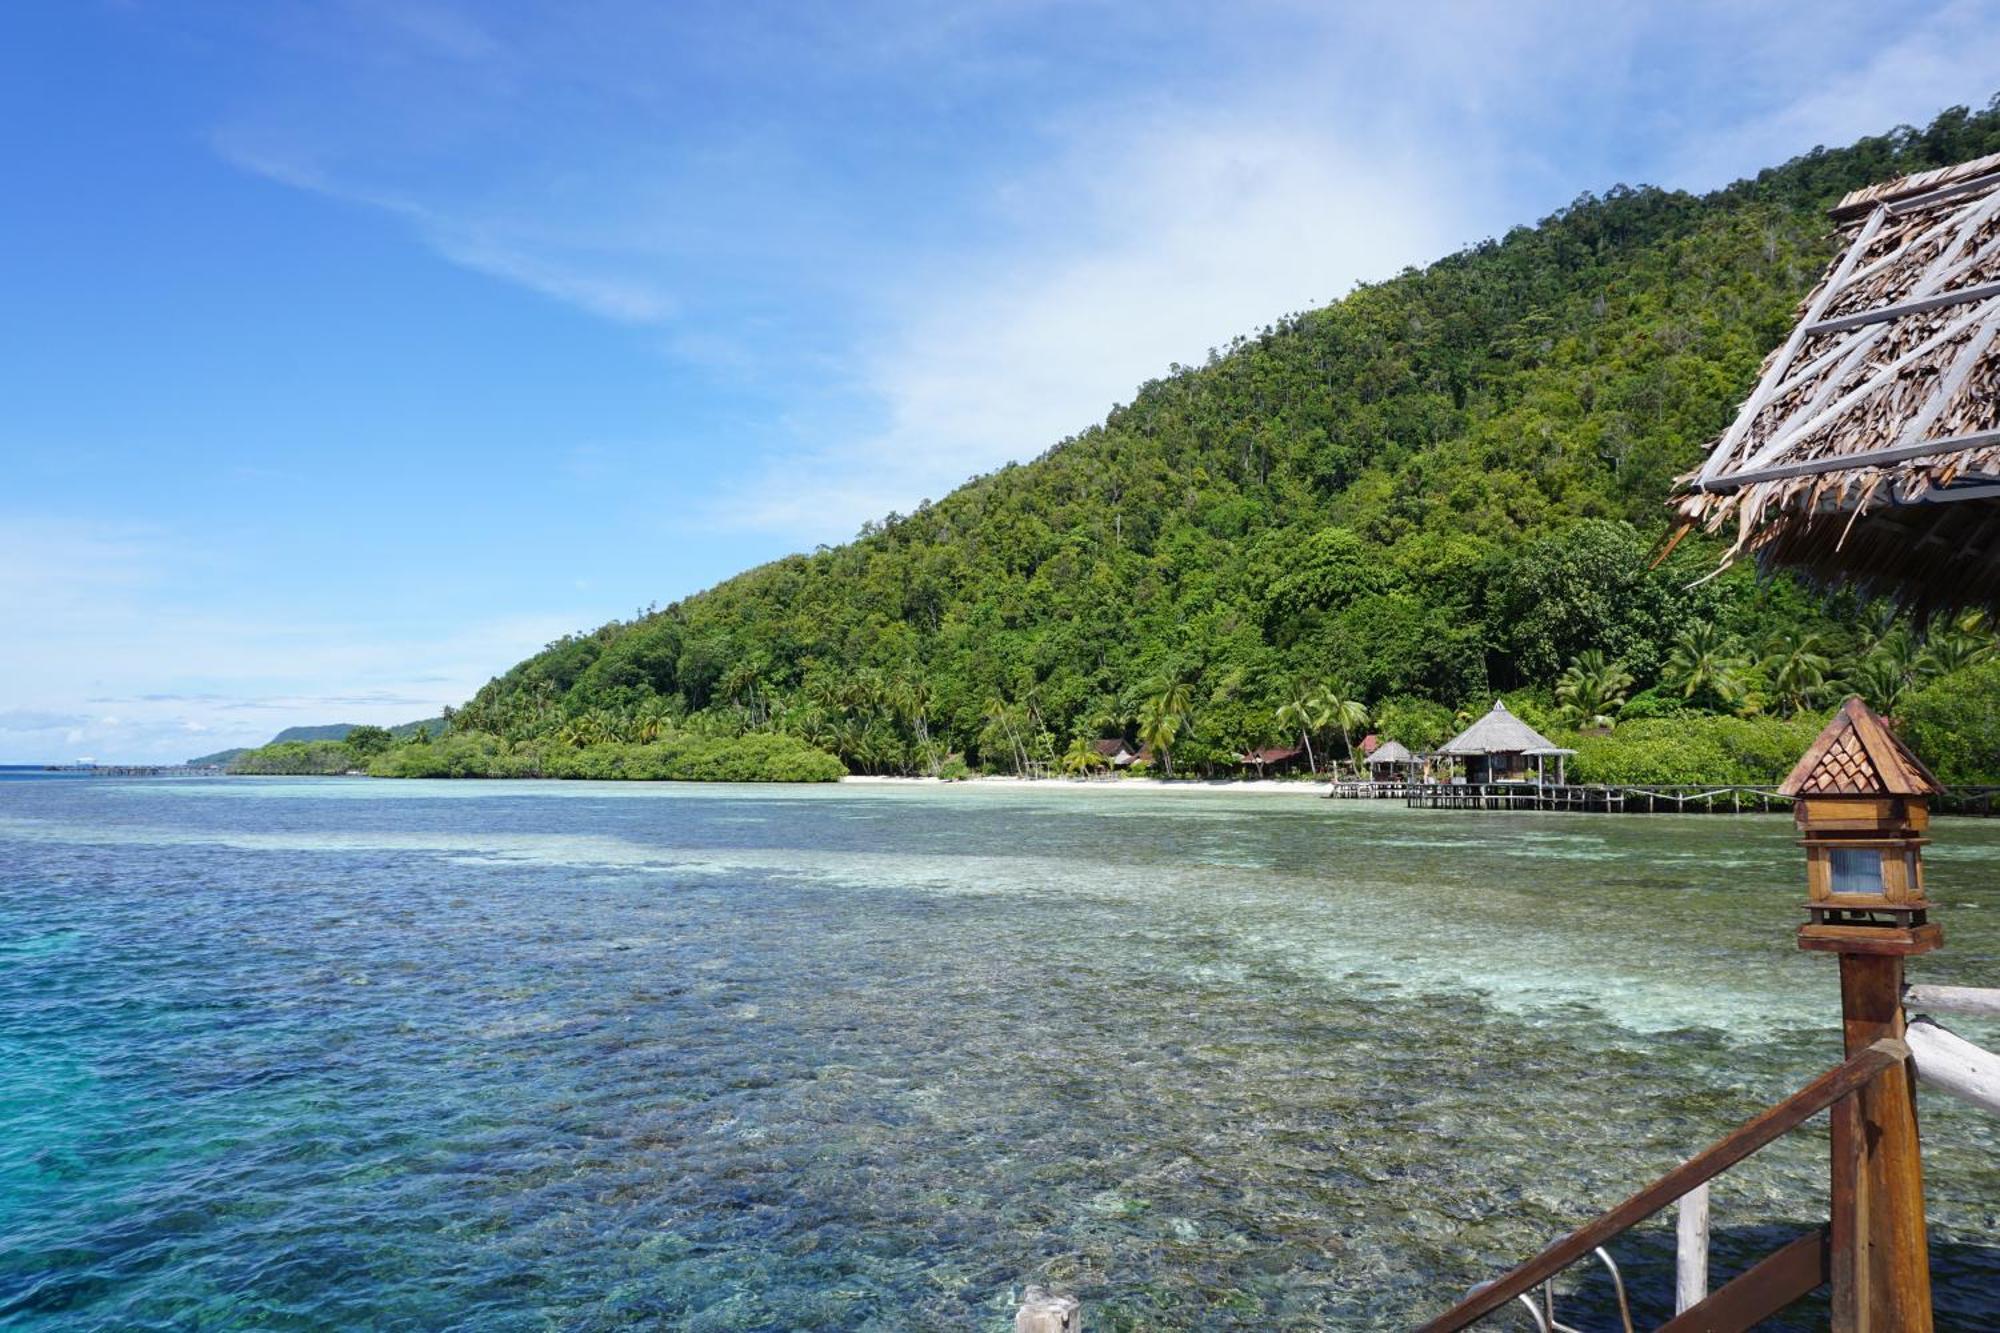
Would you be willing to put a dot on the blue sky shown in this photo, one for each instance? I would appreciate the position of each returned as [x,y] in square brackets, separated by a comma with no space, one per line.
[354,349]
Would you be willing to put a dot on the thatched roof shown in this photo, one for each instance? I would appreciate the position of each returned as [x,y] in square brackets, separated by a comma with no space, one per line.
[1870,450]
[1391,752]
[1500,732]
[1857,755]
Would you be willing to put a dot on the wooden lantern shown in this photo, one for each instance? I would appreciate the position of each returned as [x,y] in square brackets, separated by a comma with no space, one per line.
[1862,804]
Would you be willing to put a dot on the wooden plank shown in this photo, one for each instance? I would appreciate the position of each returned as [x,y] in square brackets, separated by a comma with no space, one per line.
[1848,1269]
[1905,189]
[1856,1073]
[1950,1063]
[1691,1250]
[1918,203]
[1883,313]
[1871,940]
[1773,1283]
[1953,999]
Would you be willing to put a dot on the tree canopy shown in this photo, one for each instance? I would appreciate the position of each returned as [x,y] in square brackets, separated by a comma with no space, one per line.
[1442,486]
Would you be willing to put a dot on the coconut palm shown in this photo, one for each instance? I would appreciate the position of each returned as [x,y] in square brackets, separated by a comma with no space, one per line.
[1003,722]
[1881,681]
[1302,710]
[1592,690]
[1338,710]
[1081,759]
[1797,669]
[1707,662]
[1961,643]
[1161,723]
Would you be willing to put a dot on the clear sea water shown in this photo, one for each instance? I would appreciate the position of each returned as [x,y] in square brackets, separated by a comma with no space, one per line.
[344,1054]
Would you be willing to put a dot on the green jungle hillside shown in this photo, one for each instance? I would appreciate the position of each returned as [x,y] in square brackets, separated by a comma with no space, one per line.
[1373,515]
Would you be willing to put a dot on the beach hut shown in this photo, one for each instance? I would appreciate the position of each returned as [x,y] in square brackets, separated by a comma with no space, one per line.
[1391,761]
[1869,452]
[1271,759]
[1116,753]
[1502,748]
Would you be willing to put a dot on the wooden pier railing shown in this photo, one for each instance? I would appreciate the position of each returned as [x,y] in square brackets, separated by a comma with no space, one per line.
[1595,797]
[1617,798]
[1793,1271]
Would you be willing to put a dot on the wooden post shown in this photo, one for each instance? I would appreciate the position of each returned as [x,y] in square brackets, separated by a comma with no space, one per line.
[1043,1312]
[1691,1250]
[1880,1247]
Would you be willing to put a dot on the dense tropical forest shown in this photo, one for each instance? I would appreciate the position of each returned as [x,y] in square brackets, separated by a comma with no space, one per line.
[1376,515]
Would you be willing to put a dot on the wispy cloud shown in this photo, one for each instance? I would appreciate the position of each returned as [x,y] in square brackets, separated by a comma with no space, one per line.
[1140,183]
[125,625]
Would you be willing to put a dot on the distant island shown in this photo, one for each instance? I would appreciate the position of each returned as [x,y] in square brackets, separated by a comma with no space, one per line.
[1378,515]
[333,731]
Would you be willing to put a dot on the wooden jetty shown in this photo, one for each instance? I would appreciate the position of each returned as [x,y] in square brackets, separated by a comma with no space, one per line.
[1620,799]
[1596,798]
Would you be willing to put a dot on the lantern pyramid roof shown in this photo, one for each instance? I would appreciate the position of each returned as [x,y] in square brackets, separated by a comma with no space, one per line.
[1857,755]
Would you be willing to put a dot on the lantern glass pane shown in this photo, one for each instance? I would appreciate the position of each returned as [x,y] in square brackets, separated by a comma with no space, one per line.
[1857,870]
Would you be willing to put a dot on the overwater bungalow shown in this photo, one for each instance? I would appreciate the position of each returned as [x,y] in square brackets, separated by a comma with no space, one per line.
[1502,748]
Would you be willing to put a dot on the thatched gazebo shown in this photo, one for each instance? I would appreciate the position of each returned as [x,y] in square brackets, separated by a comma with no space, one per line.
[1497,748]
[1869,452]
[1391,761]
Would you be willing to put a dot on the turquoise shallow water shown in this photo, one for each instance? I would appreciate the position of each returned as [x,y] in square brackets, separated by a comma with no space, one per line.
[318,1054]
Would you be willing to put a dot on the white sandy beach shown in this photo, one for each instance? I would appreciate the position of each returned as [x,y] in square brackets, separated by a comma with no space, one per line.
[1100,786]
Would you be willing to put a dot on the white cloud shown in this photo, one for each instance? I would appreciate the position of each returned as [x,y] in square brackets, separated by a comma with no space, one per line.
[1159,242]
[1907,72]
[129,659]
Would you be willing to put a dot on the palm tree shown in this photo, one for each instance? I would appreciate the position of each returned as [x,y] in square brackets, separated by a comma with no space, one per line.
[1592,691]
[1001,720]
[1797,670]
[1964,642]
[1159,727]
[1705,661]
[1881,681]
[1337,710]
[1303,711]
[1081,758]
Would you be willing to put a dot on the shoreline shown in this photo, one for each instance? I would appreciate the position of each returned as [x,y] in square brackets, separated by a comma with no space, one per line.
[1190,786]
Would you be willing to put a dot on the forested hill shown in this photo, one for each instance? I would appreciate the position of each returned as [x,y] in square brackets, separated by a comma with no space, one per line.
[1445,485]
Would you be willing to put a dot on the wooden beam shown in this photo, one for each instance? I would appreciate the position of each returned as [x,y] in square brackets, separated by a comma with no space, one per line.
[1868,458]
[1841,1081]
[1768,1287]
[1893,1263]
[1883,313]
[1916,203]
[1818,412]
[1691,1250]
[1950,1063]
[1953,999]
[1767,384]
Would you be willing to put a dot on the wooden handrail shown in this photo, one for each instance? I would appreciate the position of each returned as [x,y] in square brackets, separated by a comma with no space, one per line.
[1841,1081]
[1777,1280]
